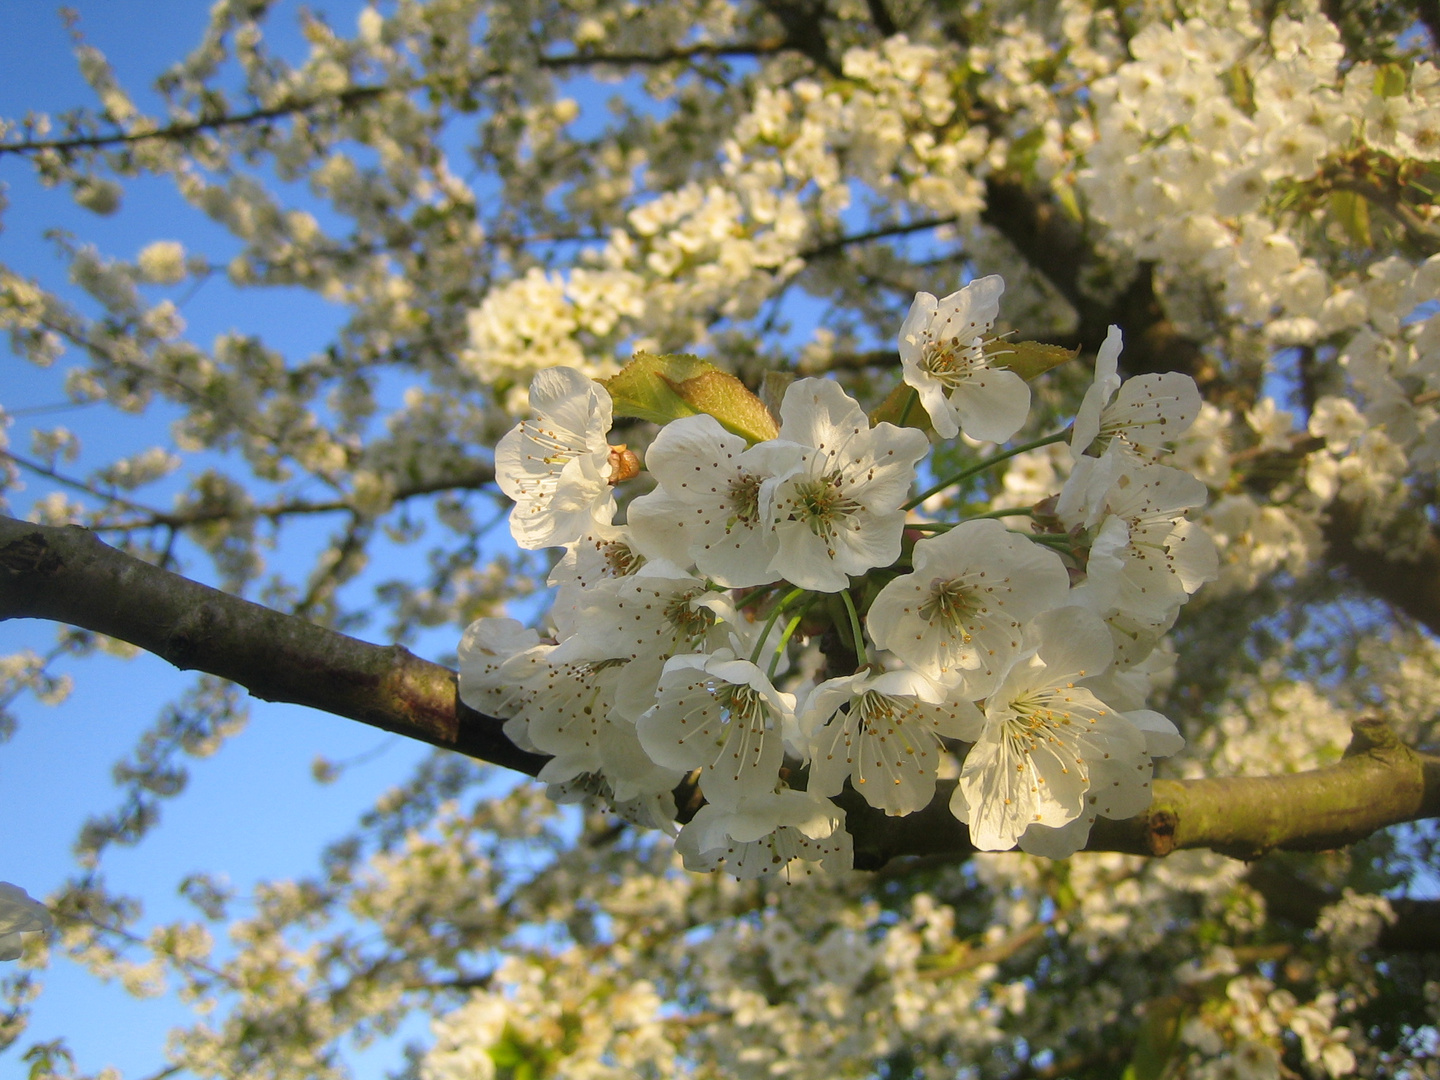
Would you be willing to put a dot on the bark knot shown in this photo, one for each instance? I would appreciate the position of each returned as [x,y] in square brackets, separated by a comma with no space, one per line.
[30,554]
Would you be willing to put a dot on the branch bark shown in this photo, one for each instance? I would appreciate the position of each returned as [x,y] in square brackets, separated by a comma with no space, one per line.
[67,575]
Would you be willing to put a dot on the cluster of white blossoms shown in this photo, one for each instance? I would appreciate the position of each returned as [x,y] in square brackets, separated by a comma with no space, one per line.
[685,643]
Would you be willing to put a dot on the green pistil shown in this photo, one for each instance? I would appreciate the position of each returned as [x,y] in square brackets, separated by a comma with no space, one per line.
[744,501]
[822,504]
[692,622]
[950,602]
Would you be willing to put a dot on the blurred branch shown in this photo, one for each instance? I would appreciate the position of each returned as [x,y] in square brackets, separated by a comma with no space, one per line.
[1417,922]
[179,131]
[1407,579]
[68,575]
[145,517]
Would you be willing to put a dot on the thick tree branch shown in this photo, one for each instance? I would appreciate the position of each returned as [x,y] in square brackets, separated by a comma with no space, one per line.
[68,575]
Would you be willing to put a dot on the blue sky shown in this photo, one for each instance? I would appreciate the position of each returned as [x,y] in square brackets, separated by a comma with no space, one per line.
[252,811]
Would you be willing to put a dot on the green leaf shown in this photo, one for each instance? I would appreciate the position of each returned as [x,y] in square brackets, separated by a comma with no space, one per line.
[1157,1039]
[1389,80]
[1028,359]
[662,388]
[727,399]
[1352,211]
[903,409]
[1069,202]
[1024,150]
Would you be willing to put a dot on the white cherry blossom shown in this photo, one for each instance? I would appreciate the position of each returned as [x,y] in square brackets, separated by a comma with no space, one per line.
[724,717]
[603,552]
[767,834]
[882,732]
[1139,414]
[487,645]
[1146,557]
[556,467]
[958,616]
[959,386]
[19,915]
[644,619]
[1048,751]
[839,512]
[707,508]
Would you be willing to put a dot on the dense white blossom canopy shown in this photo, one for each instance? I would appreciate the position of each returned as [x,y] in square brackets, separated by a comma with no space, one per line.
[769,326]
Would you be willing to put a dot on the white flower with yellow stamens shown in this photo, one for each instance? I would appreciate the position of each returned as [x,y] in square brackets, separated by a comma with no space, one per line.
[957,618]
[839,512]
[1138,414]
[882,733]
[724,717]
[558,467]
[1049,751]
[943,356]
[707,509]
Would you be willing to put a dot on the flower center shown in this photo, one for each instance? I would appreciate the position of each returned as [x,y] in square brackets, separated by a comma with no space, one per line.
[822,504]
[949,362]
[744,501]
[952,602]
[621,559]
[743,703]
[691,623]
[877,713]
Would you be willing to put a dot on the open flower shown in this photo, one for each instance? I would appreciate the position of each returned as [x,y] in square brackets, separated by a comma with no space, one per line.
[557,466]
[1147,557]
[957,617]
[722,716]
[1049,752]
[767,835]
[1138,414]
[707,507]
[882,733]
[838,512]
[942,352]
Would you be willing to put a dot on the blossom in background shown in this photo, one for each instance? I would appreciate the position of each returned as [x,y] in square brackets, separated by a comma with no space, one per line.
[556,467]
[839,512]
[19,915]
[941,350]
[957,617]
